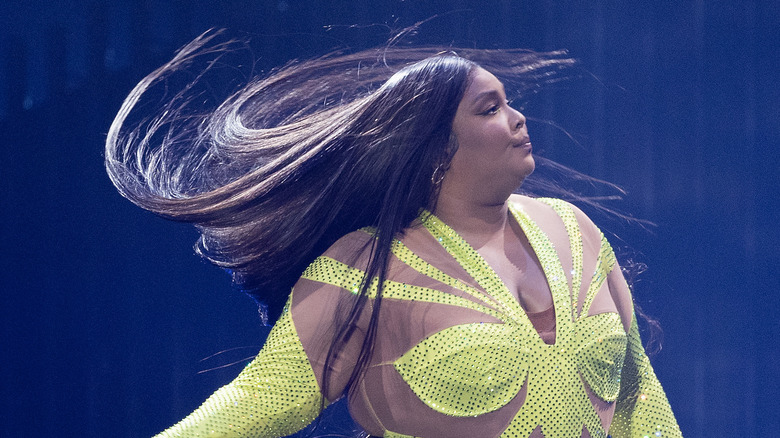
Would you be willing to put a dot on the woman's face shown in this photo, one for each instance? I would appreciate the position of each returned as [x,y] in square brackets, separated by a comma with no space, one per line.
[493,144]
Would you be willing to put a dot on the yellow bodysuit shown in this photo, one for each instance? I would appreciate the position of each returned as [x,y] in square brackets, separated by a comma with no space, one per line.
[455,353]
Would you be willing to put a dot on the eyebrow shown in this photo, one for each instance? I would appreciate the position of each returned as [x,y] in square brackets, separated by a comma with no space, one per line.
[482,95]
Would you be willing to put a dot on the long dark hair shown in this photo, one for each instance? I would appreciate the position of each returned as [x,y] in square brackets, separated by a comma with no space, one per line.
[295,159]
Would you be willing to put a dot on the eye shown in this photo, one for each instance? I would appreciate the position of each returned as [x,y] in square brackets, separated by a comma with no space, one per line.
[494,109]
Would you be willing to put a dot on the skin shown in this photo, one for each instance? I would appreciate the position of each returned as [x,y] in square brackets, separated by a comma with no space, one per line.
[494,149]
[492,160]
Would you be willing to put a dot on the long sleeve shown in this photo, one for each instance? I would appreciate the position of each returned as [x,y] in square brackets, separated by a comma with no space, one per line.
[642,408]
[275,395]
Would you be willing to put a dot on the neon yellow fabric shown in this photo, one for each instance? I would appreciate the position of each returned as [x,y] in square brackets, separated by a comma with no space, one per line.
[642,409]
[472,369]
[468,370]
[275,395]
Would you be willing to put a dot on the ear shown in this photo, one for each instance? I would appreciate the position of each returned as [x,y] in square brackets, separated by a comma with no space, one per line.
[452,147]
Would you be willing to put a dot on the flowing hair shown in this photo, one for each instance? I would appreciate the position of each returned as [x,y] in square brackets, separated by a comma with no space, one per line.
[295,159]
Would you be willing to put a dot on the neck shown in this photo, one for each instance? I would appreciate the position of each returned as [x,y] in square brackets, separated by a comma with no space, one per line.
[471,217]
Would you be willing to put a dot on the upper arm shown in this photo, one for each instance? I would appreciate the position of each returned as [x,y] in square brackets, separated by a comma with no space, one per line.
[318,310]
[616,282]
[621,294]
[317,317]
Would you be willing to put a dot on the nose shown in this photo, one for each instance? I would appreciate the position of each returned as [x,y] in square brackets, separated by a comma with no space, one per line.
[518,119]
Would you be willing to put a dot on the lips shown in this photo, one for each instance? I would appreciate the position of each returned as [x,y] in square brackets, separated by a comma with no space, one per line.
[524,143]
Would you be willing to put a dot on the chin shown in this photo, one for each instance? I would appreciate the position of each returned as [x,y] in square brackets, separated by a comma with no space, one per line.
[521,177]
[528,169]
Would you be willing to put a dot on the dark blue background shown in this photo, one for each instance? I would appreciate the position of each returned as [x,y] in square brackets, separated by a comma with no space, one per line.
[106,312]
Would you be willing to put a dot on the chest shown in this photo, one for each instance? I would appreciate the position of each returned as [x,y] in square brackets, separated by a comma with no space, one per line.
[513,259]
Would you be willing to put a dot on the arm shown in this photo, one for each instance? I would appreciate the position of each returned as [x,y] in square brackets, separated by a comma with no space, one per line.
[277,394]
[642,408]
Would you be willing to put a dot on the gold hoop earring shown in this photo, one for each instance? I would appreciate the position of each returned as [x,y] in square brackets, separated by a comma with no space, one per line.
[438,174]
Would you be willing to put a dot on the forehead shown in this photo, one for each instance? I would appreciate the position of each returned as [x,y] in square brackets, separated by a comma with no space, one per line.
[482,82]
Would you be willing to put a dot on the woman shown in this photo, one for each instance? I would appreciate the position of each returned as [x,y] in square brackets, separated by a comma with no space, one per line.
[439,302]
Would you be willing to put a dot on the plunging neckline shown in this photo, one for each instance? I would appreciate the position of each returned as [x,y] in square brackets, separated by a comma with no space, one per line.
[477,267]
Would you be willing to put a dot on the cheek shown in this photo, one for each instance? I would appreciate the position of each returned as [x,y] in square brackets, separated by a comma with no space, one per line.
[473,154]
[469,151]
[482,140]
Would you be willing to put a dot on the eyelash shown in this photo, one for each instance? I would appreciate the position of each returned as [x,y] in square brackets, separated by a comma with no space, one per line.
[492,110]
[496,108]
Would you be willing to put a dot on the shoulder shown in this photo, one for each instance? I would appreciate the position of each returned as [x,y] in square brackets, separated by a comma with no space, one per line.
[329,279]
[542,210]
[353,248]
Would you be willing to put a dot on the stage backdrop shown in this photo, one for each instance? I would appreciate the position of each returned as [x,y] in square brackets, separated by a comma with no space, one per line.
[111,326]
